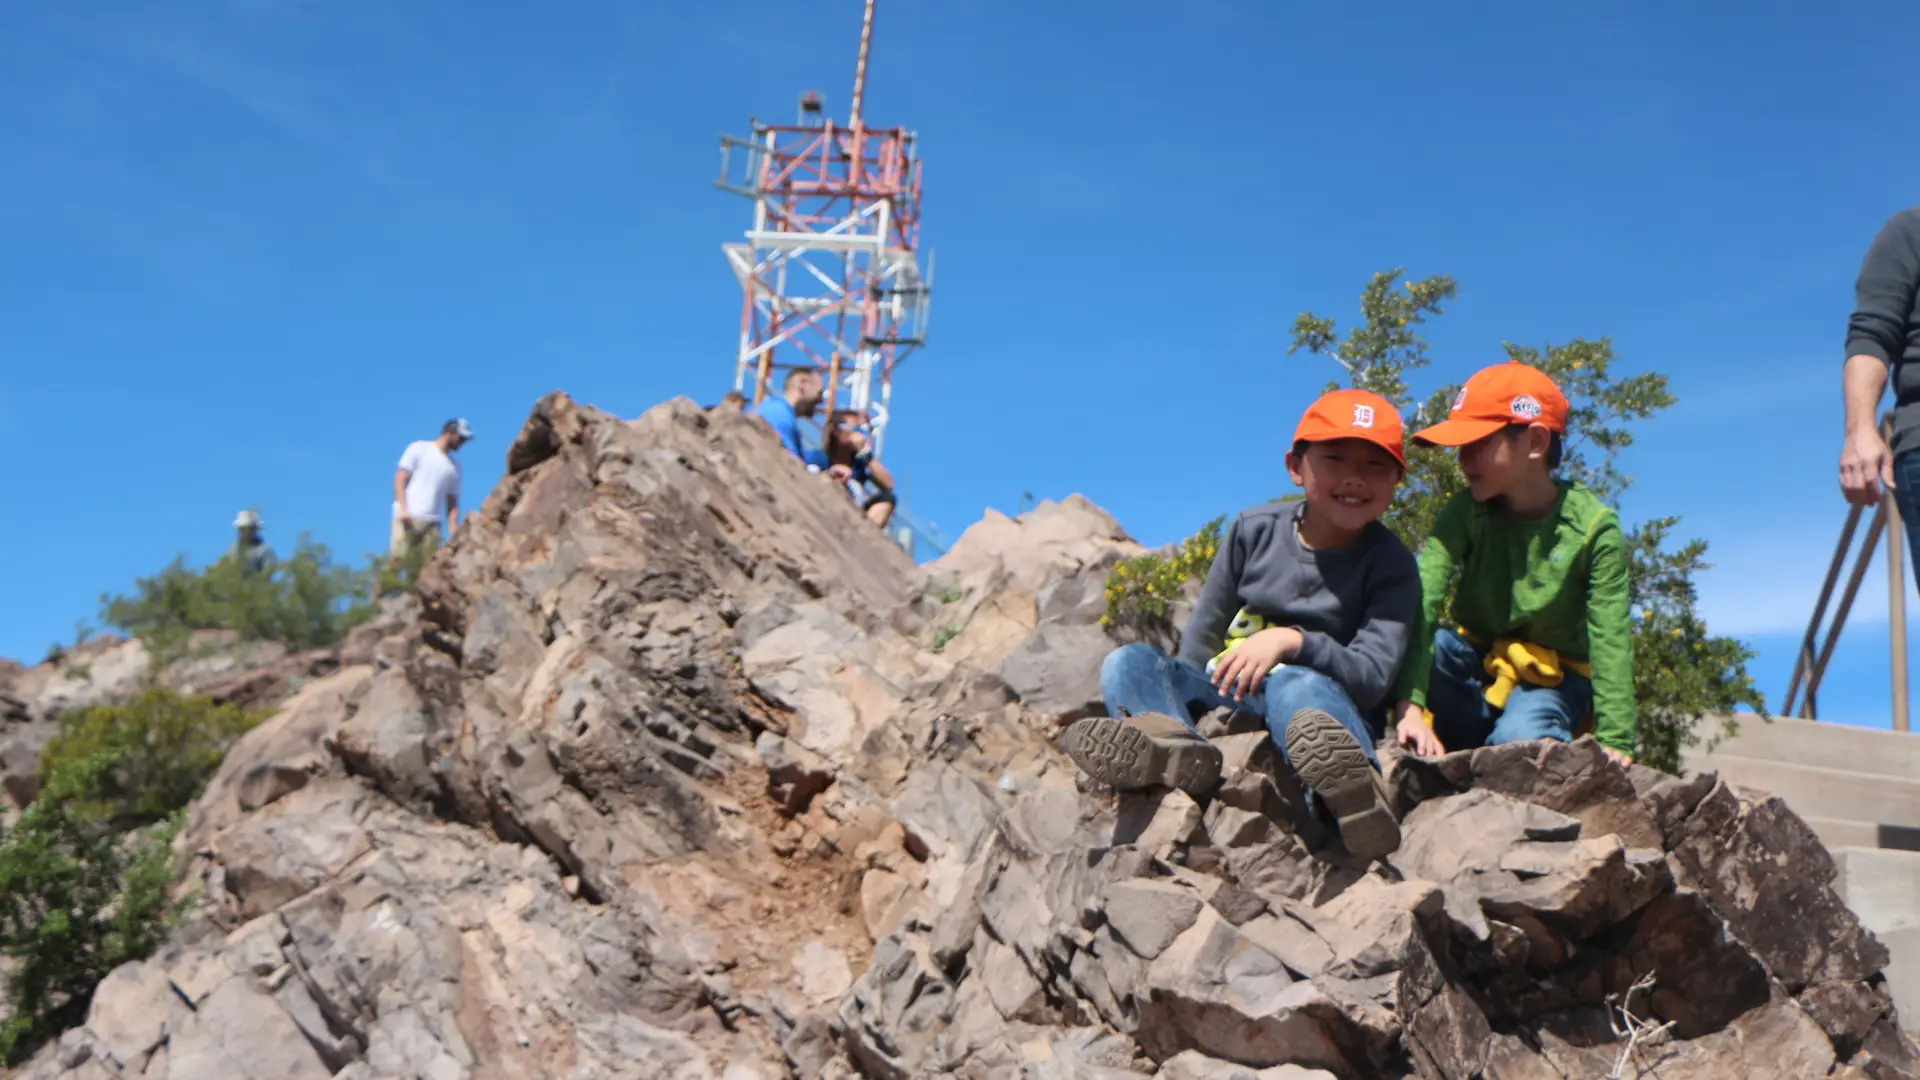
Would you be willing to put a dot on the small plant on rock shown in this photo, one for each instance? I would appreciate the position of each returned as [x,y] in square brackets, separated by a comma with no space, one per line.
[154,754]
[1142,590]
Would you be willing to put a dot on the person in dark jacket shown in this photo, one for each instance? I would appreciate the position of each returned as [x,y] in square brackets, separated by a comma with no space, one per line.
[1883,343]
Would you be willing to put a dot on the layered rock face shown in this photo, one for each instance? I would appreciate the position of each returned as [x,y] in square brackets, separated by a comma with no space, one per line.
[680,769]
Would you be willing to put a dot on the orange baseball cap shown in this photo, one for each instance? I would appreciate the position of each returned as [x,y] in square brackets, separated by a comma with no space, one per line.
[1354,414]
[1498,396]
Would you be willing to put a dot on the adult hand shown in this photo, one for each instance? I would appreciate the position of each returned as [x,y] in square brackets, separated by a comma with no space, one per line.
[1620,757]
[842,473]
[1240,672]
[1413,733]
[1865,465]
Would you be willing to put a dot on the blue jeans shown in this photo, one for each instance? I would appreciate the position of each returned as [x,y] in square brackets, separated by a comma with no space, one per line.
[1463,719]
[1906,498]
[1140,678]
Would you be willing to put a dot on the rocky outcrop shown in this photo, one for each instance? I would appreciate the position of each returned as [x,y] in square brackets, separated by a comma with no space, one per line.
[107,669]
[681,769]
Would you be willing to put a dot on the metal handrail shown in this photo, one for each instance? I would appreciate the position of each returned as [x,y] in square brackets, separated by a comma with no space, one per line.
[1810,666]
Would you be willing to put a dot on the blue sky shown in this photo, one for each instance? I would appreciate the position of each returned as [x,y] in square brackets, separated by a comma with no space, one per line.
[250,248]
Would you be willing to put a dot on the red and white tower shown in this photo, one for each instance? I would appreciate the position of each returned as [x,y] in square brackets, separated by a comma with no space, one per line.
[830,268]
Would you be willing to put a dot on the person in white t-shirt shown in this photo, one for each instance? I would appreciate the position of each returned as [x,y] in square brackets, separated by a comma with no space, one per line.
[426,486]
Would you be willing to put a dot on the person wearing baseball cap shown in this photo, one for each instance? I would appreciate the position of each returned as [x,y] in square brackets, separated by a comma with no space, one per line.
[1543,644]
[426,485]
[1303,619]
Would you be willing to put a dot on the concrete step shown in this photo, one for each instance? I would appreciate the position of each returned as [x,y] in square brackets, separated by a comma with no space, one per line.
[1825,746]
[1837,794]
[1883,889]
[1837,834]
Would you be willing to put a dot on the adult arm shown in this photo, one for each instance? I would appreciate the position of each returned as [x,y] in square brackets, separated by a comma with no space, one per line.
[409,461]
[453,511]
[1219,600]
[880,475]
[1876,338]
[1366,665]
[1446,545]
[1610,638]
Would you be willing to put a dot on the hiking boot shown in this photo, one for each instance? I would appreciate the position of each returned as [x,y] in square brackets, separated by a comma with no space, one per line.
[1332,762]
[1141,751]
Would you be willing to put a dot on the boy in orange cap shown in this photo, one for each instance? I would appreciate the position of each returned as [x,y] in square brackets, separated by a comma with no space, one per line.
[1544,638]
[1304,618]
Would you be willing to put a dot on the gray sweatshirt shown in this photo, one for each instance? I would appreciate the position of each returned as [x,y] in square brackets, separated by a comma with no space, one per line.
[1353,606]
[1884,322]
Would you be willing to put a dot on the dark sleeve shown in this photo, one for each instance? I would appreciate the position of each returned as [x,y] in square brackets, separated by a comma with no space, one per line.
[1219,601]
[1884,291]
[1367,665]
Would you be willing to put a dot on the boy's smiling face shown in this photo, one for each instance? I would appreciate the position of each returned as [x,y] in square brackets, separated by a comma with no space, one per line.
[1349,482]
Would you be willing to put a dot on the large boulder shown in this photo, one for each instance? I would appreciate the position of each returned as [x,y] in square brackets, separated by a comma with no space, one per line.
[680,768]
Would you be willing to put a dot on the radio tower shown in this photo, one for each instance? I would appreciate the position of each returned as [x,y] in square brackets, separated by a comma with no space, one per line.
[830,268]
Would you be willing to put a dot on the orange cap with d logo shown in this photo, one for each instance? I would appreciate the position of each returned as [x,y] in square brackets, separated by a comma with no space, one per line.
[1354,414]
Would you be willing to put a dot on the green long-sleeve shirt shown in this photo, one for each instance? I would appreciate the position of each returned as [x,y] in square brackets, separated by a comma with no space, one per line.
[1560,582]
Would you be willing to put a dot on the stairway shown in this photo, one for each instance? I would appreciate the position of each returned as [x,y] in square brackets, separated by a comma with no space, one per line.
[1860,790]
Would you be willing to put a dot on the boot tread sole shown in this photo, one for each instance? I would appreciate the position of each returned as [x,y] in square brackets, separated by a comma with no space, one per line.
[1331,762]
[1125,758]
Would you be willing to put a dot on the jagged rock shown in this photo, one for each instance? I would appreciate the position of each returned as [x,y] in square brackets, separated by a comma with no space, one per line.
[1773,1041]
[1846,1011]
[1368,926]
[794,774]
[822,971]
[1886,1054]
[129,1014]
[1769,877]
[1445,838]
[242,1032]
[1446,1029]
[1193,1065]
[1703,979]
[663,775]
[1576,779]
[1217,992]
[1148,915]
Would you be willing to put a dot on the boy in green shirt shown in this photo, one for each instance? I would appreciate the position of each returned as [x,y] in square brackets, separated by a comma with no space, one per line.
[1544,638]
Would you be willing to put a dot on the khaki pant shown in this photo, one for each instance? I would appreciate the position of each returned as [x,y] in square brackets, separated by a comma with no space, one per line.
[412,538]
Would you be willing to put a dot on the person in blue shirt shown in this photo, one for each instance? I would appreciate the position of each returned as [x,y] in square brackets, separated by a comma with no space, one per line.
[800,397]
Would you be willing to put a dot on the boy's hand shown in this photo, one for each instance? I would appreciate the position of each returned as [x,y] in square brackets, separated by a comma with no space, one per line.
[1620,757]
[1240,672]
[1413,733]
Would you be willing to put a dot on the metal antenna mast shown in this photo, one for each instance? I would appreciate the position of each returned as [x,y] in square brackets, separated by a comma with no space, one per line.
[860,67]
[829,269]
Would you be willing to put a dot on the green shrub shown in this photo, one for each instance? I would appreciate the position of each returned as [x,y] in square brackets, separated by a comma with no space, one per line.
[402,576]
[305,601]
[1141,590]
[150,756]
[78,898]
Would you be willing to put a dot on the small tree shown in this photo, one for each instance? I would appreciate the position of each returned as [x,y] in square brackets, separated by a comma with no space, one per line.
[153,754]
[306,601]
[1681,671]
[77,899]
